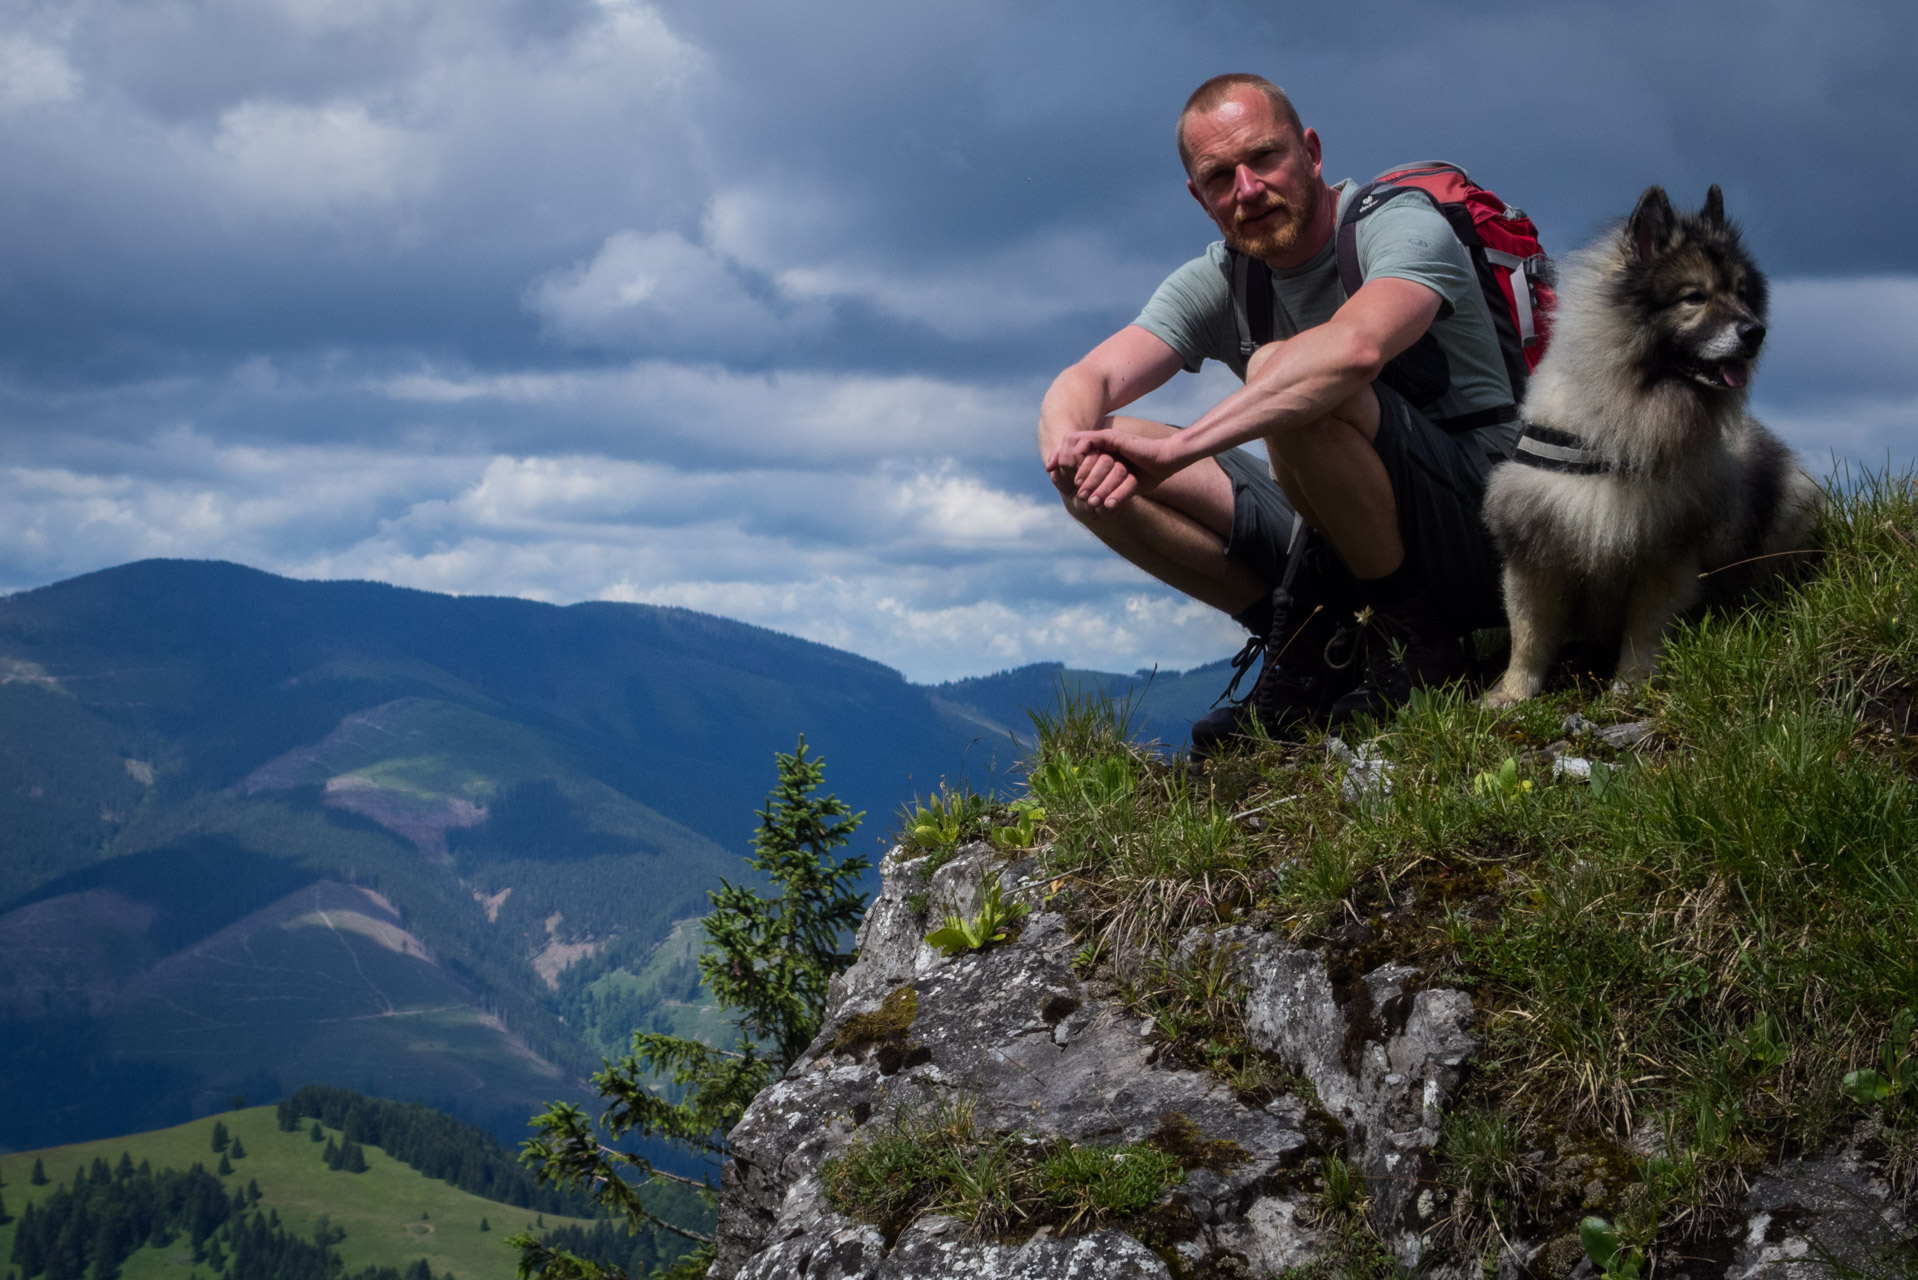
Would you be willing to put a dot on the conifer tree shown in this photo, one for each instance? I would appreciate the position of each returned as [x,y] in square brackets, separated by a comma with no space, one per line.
[318,1134]
[237,1151]
[352,1159]
[38,1177]
[485,1225]
[219,1135]
[768,962]
[6,1217]
[226,1165]
[331,1155]
[125,1168]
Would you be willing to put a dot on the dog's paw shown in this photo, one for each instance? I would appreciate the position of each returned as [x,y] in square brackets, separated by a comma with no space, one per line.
[1500,699]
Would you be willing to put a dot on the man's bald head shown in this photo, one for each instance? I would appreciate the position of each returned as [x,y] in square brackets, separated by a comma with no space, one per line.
[1213,93]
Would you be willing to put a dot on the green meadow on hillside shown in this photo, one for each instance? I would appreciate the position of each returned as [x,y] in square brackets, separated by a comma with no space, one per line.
[392,1215]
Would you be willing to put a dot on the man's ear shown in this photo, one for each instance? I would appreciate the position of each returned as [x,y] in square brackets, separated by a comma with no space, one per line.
[1193,187]
[1313,149]
[1651,222]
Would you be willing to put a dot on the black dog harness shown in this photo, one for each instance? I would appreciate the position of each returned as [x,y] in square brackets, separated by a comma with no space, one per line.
[1550,449]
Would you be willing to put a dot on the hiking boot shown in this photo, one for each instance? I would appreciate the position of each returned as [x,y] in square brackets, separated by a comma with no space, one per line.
[1305,669]
[1408,646]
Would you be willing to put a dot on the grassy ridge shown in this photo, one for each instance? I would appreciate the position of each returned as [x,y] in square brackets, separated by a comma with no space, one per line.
[392,1215]
[1680,963]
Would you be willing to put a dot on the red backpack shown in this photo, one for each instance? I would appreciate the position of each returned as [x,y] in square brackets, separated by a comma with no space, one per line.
[1513,272]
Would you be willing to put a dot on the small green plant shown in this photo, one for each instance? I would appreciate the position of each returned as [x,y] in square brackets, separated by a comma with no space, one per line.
[1764,1045]
[1344,1193]
[1614,1259]
[1502,783]
[992,925]
[1023,828]
[944,820]
[1900,1069]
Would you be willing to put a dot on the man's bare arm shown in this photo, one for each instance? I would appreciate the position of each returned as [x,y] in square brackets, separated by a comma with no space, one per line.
[1129,364]
[1305,378]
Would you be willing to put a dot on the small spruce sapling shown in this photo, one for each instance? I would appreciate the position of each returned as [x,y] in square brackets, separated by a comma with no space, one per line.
[768,962]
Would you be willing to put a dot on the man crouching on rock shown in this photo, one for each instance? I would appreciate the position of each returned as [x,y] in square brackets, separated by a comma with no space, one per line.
[1357,558]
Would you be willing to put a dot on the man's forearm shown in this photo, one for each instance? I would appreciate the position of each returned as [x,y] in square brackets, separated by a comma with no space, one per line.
[1297,381]
[1076,401]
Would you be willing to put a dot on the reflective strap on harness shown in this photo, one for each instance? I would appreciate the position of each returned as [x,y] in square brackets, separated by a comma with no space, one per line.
[1549,449]
[1521,293]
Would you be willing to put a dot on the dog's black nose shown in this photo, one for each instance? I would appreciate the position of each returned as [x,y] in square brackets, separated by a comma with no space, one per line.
[1751,333]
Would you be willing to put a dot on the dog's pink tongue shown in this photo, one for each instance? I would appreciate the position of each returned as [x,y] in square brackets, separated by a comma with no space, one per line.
[1733,374]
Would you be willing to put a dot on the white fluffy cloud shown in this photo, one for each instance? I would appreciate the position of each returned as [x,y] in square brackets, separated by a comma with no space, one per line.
[936,573]
[336,157]
[33,72]
[661,292]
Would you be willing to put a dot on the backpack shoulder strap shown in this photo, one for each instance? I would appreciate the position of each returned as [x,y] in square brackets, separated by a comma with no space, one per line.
[1367,200]
[1251,300]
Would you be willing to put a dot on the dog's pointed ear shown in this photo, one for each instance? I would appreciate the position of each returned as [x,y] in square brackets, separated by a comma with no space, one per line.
[1651,222]
[1713,214]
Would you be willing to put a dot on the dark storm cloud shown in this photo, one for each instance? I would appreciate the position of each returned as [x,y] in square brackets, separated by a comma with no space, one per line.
[748,306]
[476,150]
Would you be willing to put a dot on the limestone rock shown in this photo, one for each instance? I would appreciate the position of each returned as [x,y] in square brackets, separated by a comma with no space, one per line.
[1039,1053]
[1837,1204]
[1384,1057]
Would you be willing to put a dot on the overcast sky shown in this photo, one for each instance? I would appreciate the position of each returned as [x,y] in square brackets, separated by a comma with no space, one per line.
[747,305]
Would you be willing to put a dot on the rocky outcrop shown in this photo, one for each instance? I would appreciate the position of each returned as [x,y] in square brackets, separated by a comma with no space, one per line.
[1383,1057]
[1043,1053]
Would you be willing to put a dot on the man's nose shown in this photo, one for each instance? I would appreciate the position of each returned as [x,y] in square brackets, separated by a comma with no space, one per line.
[1247,183]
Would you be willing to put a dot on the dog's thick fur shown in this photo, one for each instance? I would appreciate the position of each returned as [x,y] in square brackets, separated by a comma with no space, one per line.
[1657,327]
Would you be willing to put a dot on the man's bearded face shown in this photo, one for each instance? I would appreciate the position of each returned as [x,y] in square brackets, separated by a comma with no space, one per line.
[1274,225]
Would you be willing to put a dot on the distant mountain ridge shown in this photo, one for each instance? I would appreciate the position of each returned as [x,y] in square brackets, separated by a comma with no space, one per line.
[257,833]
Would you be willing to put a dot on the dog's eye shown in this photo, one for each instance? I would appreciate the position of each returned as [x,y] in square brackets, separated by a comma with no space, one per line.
[1693,296]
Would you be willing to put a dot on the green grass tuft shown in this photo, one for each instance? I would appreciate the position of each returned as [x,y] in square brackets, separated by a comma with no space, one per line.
[929,1157]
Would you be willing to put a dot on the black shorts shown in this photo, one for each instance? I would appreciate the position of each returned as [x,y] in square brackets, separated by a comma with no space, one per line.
[1438,483]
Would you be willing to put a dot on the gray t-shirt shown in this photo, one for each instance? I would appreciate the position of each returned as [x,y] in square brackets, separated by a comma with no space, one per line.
[1406,239]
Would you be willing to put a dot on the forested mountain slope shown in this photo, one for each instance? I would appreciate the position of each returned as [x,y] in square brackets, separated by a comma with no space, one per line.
[257,833]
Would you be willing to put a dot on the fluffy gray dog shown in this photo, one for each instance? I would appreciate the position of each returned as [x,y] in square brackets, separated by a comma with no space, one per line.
[1641,479]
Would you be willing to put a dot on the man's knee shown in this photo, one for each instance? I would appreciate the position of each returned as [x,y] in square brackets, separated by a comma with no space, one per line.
[1357,414]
